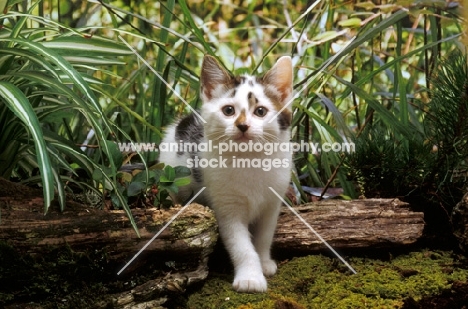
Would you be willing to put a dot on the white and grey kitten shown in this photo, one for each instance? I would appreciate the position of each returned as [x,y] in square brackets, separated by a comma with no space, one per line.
[242,109]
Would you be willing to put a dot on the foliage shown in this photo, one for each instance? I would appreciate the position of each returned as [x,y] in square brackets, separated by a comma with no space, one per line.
[432,162]
[447,127]
[162,180]
[126,70]
[384,168]
[49,104]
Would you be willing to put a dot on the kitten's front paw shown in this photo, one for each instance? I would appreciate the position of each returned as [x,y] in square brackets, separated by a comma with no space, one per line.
[269,267]
[250,284]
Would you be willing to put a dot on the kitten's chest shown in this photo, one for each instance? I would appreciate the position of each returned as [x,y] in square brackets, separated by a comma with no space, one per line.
[245,174]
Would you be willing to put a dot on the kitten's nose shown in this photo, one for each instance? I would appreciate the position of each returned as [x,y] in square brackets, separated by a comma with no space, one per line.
[243,127]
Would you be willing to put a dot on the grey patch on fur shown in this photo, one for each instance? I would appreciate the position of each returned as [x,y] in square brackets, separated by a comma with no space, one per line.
[197,174]
[239,80]
[252,99]
[190,130]
[284,120]
[232,93]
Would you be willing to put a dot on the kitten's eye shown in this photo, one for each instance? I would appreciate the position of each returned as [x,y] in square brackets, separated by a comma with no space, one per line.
[260,111]
[228,110]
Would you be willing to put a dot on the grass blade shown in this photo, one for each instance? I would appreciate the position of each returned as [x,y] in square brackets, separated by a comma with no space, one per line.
[19,104]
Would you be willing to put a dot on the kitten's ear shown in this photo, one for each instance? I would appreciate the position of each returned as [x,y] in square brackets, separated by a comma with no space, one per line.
[280,76]
[213,79]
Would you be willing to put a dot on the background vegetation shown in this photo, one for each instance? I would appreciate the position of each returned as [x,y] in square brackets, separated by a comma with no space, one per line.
[78,76]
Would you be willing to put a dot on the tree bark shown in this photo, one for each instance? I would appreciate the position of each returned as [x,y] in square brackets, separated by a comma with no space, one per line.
[27,229]
[343,224]
[353,224]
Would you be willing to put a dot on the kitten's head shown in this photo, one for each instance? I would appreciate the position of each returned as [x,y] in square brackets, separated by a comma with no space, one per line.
[243,108]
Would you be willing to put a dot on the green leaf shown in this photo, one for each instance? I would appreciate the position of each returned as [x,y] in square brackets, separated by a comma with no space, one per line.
[114,153]
[142,176]
[391,63]
[116,200]
[97,175]
[171,188]
[135,188]
[164,180]
[3,4]
[366,5]
[352,22]
[182,171]
[182,181]
[326,36]
[81,46]
[407,130]
[157,175]
[60,190]
[92,61]
[19,104]
[194,28]
[169,174]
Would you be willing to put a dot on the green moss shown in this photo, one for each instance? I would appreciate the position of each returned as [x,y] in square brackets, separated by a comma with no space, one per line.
[320,282]
[186,228]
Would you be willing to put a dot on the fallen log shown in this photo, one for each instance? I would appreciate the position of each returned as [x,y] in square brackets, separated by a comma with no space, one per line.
[27,229]
[350,224]
[343,224]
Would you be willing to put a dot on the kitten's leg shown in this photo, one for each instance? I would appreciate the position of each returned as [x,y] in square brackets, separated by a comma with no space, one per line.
[233,228]
[263,231]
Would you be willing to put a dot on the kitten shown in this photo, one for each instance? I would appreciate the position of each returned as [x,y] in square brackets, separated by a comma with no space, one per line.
[239,111]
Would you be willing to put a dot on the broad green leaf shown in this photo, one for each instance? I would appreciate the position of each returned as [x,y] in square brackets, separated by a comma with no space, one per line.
[114,153]
[135,188]
[169,187]
[142,176]
[182,171]
[182,181]
[116,200]
[169,173]
[125,177]
[163,179]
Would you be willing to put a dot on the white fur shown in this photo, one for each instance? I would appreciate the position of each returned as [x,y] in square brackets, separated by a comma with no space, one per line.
[245,207]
